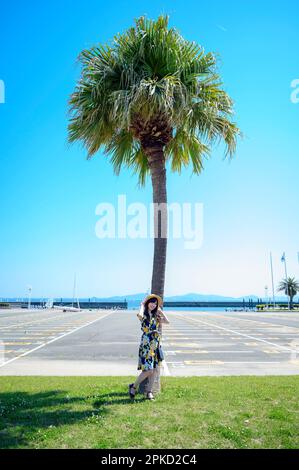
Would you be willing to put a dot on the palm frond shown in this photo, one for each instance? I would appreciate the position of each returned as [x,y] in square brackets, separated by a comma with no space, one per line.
[186,148]
[148,71]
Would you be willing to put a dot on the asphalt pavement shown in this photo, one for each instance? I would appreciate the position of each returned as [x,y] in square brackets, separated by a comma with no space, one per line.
[106,342]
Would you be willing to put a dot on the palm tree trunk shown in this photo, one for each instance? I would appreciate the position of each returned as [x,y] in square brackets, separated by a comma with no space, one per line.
[158,176]
[156,161]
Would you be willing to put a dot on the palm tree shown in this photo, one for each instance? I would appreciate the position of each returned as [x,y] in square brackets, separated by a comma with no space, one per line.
[151,97]
[148,98]
[290,287]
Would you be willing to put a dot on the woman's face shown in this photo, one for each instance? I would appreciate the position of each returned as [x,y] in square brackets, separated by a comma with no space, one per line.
[152,304]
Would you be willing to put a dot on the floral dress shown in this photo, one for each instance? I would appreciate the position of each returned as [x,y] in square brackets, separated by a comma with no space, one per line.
[149,344]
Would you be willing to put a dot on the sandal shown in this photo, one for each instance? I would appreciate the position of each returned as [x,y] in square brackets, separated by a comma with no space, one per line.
[150,396]
[132,390]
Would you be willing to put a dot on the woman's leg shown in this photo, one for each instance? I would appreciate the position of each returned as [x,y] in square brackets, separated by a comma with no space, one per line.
[144,374]
[152,379]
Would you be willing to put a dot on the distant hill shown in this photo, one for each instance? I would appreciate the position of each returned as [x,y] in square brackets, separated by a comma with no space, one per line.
[206,297]
[136,298]
[185,297]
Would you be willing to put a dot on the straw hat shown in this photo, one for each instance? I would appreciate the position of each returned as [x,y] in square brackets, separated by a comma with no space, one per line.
[160,302]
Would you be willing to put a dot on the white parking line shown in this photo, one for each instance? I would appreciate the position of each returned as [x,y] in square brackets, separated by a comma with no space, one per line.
[55,339]
[235,332]
[269,324]
[198,351]
[251,362]
[41,320]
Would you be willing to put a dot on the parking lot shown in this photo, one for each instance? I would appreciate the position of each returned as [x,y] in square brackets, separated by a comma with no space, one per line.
[105,342]
[232,343]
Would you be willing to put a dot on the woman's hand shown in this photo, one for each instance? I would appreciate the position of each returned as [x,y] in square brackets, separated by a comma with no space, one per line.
[141,311]
[161,316]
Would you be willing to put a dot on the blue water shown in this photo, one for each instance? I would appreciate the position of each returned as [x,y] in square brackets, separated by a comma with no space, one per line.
[197,309]
[193,309]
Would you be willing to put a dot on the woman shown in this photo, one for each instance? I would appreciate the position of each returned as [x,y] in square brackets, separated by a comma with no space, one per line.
[151,316]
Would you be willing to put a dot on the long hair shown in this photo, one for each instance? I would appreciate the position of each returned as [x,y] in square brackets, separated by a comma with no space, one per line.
[146,312]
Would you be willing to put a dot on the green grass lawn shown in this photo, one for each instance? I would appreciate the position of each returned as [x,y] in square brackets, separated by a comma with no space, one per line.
[193,412]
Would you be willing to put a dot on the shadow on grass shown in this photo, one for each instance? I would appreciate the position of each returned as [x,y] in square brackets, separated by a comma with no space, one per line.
[118,399]
[25,417]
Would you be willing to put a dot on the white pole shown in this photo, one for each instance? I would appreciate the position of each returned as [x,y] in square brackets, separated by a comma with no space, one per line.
[273,294]
[286,274]
[266,297]
[29,297]
[74,288]
[78,305]
[285,267]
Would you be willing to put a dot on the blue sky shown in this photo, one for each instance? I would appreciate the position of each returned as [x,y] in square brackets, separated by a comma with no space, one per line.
[49,191]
